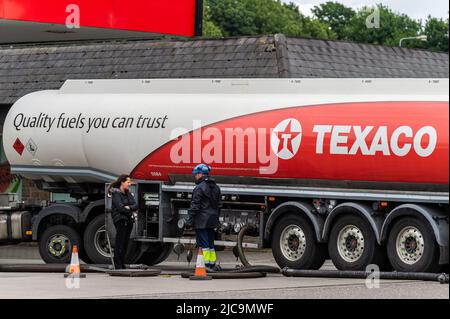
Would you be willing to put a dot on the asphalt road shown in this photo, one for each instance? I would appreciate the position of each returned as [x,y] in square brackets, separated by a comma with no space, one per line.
[171,286]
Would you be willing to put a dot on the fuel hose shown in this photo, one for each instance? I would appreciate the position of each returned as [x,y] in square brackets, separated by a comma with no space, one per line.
[441,278]
[50,268]
[61,268]
[245,272]
[247,266]
[230,275]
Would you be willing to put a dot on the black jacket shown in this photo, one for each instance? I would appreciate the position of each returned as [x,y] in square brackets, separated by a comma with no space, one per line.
[119,201]
[205,205]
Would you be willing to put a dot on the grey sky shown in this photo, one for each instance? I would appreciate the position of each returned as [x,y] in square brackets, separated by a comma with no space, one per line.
[418,9]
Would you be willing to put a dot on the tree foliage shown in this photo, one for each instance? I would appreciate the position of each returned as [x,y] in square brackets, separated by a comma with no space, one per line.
[437,32]
[330,20]
[252,17]
[391,26]
[336,15]
[210,29]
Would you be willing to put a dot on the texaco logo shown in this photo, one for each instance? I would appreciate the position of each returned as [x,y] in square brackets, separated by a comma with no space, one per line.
[286,138]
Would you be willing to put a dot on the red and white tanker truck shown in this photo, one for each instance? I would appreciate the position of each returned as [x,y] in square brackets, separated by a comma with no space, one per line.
[351,169]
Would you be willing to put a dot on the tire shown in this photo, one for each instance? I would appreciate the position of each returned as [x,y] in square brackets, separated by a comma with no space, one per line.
[156,254]
[56,243]
[134,253]
[301,250]
[360,247]
[84,257]
[428,260]
[96,245]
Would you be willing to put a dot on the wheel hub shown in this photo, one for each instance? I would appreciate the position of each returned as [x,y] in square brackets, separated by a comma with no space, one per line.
[350,243]
[58,245]
[410,245]
[293,242]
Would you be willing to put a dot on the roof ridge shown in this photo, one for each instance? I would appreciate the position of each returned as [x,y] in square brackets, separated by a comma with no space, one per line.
[282,54]
[280,36]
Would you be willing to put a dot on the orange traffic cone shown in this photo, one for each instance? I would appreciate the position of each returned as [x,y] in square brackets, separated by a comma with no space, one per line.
[74,268]
[200,269]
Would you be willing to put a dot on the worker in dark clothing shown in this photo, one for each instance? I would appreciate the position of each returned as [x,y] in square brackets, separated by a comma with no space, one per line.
[204,212]
[122,211]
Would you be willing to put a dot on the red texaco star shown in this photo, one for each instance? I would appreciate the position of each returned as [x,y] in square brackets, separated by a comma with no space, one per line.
[287,136]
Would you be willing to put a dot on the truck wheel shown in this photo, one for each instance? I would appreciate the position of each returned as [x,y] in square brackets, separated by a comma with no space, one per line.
[156,254]
[352,245]
[294,244]
[134,253]
[84,257]
[412,246]
[95,242]
[56,243]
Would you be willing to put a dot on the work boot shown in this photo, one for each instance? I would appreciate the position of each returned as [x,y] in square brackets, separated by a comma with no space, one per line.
[213,268]
[210,268]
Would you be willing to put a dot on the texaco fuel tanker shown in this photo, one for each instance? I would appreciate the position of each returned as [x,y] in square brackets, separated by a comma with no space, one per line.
[349,168]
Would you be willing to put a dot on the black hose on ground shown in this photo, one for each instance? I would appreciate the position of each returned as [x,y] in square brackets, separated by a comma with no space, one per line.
[441,278]
[230,275]
[250,269]
[62,268]
[247,271]
[244,261]
[50,268]
[134,272]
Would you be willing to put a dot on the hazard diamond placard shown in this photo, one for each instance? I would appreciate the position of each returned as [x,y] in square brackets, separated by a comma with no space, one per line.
[18,146]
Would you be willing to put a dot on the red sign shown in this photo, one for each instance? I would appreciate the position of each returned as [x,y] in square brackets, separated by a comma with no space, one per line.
[175,17]
[18,146]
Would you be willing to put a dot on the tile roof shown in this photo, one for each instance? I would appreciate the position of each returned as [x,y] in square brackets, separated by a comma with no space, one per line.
[25,69]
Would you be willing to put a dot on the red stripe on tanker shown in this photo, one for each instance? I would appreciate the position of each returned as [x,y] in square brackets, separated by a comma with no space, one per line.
[376,141]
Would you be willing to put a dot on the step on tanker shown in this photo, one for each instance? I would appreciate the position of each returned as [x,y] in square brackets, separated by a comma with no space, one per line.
[354,170]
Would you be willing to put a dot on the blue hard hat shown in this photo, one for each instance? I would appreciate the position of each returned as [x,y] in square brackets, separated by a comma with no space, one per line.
[201,169]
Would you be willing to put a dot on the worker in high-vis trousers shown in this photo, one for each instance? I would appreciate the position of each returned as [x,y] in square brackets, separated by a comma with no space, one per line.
[204,212]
